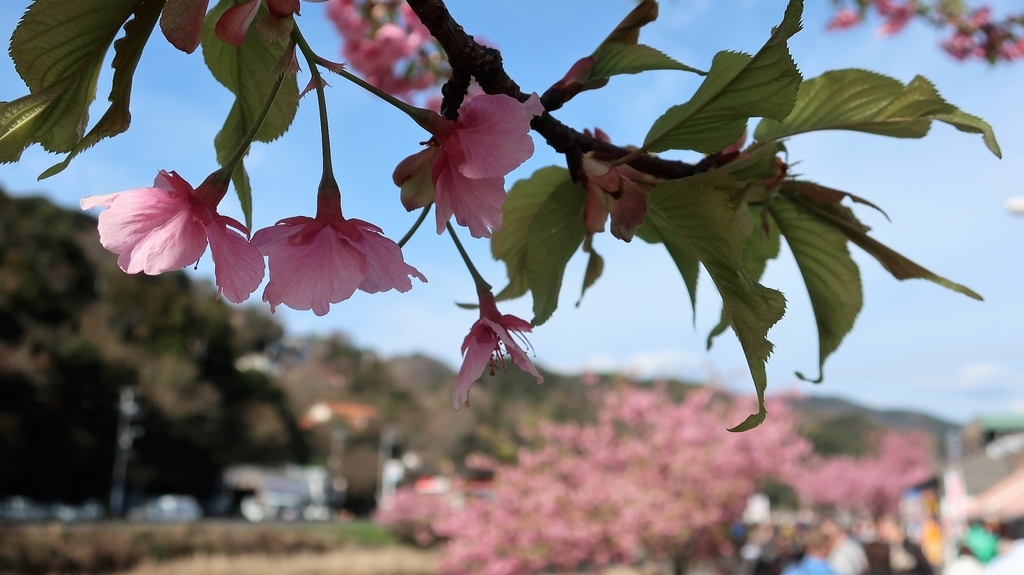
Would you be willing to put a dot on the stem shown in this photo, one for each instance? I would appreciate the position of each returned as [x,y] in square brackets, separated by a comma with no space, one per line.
[629,157]
[325,137]
[481,285]
[224,173]
[415,226]
[419,115]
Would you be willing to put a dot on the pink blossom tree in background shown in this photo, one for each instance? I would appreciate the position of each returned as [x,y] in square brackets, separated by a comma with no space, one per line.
[413,516]
[873,482]
[972,31]
[652,478]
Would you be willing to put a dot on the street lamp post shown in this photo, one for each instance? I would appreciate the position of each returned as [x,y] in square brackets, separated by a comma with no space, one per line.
[126,434]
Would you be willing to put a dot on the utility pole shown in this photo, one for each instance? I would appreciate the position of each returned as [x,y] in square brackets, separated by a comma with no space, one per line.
[387,444]
[126,434]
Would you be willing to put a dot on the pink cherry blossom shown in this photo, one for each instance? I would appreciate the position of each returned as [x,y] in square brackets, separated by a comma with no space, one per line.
[650,477]
[897,16]
[488,341]
[490,139]
[619,191]
[315,262]
[167,227]
[843,19]
[388,46]
[873,482]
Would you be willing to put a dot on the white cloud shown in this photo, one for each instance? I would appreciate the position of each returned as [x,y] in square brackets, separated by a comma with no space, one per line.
[980,375]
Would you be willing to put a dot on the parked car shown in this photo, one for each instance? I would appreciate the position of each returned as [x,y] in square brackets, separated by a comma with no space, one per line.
[19,509]
[168,508]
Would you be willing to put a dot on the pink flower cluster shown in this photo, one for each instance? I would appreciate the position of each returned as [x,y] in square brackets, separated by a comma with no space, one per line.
[871,483]
[897,15]
[974,33]
[649,478]
[388,45]
[313,262]
[616,191]
[411,515]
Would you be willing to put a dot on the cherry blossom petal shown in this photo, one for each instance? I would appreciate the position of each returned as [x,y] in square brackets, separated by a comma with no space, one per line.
[442,194]
[132,215]
[178,242]
[234,22]
[532,105]
[182,23]
[265,239]
[238,265]
[492,138]
[314,274]
[630,210]
[414,176]
[477,349]
[173,183]
[386,268]
[476,203]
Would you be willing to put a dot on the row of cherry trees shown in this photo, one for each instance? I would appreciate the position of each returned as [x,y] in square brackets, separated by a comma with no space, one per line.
[651,478]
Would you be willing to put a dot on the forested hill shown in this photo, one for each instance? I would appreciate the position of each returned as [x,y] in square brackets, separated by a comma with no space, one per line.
[74,329]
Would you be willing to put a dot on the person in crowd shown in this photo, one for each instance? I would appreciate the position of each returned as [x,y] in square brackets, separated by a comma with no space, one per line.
[965,563]
[817,545]
[847,556]
[905,556]
[982,541]
[1010,560]
[877,554]
[759,555]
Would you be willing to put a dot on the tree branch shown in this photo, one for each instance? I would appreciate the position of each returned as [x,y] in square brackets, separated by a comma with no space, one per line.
[468,58]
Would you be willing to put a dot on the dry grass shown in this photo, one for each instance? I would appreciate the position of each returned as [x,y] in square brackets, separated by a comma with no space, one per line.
[383,561]
[118,547]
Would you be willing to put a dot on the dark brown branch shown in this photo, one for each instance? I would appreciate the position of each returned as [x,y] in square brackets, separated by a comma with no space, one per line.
[468,58]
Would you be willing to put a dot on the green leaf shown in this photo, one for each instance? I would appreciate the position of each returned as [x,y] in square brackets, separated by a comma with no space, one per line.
[521,204]
[58,49]
[738,87]
[628,31]
[686,260]
[127,52]
[868,102]
[679,250]
[20,120]
[843,219]
[250,72]
[758,162]
[595,266]
[830,274]
[616,58]
[761,245]
[555,233]
[703,218]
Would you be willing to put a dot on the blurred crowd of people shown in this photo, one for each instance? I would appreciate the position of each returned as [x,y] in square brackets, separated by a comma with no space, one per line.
[873,547]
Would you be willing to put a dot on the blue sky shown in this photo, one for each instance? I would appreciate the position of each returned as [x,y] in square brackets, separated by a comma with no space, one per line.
[915,344]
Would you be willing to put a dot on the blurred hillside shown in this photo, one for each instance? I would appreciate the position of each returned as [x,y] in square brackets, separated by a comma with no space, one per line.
[221,384]
[74,329]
